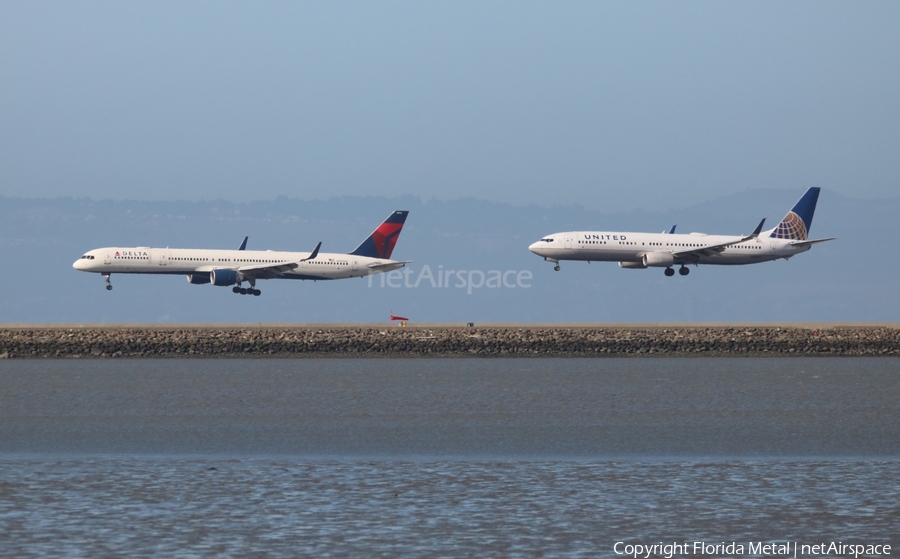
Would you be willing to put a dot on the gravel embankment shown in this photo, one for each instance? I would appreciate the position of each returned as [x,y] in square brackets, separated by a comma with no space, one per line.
[525,341]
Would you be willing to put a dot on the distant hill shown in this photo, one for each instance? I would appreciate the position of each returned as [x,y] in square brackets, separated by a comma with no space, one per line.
[851,279]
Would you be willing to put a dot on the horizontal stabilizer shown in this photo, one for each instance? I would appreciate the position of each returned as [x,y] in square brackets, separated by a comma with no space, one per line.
[393,265]
[812,242]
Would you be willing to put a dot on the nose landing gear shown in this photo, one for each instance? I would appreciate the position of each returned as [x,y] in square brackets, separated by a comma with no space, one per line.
[108,283]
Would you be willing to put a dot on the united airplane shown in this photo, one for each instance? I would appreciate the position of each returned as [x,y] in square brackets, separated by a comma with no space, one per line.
[234,267]
[666,250]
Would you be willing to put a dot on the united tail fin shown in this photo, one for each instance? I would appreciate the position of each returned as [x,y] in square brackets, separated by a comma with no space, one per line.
[797,222]
[380,244]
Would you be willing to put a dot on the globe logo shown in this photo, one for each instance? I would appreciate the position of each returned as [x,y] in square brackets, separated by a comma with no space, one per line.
[791,227]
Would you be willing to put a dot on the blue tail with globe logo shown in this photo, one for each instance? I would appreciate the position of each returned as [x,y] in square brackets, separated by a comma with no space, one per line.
[796,223]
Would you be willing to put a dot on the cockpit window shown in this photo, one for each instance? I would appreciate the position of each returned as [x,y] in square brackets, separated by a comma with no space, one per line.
[87,257]
[546,240]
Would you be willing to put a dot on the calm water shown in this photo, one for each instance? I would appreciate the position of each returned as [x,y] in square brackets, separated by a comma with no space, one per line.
[443,457]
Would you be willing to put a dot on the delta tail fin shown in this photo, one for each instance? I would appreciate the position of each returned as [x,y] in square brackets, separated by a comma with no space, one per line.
[380,244]
[797,222]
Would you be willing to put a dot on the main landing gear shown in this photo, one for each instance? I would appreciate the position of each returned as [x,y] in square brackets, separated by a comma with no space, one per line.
[108,283]
[683,271]
[245,291]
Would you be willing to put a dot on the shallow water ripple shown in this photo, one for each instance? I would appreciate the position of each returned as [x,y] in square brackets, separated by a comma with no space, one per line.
[184,507]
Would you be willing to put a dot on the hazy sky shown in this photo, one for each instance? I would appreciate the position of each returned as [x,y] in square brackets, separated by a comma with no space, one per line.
[609,105]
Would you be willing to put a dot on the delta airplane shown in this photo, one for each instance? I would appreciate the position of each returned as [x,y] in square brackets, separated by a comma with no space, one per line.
[665,250]
[234,267]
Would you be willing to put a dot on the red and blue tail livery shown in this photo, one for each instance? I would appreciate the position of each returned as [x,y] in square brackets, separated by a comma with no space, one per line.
[380,244]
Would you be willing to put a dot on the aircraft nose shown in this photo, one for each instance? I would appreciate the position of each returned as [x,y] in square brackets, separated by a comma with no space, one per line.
[78,264]
[535,248]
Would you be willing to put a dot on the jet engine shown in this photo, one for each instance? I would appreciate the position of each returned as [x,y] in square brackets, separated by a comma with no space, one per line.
[198,279]
[634,265]
[224,277]
[659,259]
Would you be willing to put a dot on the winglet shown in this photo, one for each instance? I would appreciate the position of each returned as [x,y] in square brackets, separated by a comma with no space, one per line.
[244,244]
[313,254]
[756,231]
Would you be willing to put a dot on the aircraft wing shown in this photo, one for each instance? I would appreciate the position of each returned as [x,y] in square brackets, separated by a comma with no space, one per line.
[271,271]
[693,255]
[267,271]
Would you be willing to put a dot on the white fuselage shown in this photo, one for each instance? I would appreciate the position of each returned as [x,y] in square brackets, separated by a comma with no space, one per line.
[625,247]
[144,260]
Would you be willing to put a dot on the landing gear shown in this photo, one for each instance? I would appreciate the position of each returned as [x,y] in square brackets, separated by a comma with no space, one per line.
[108,283]
[246,291]
[683,271]
[556,267]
